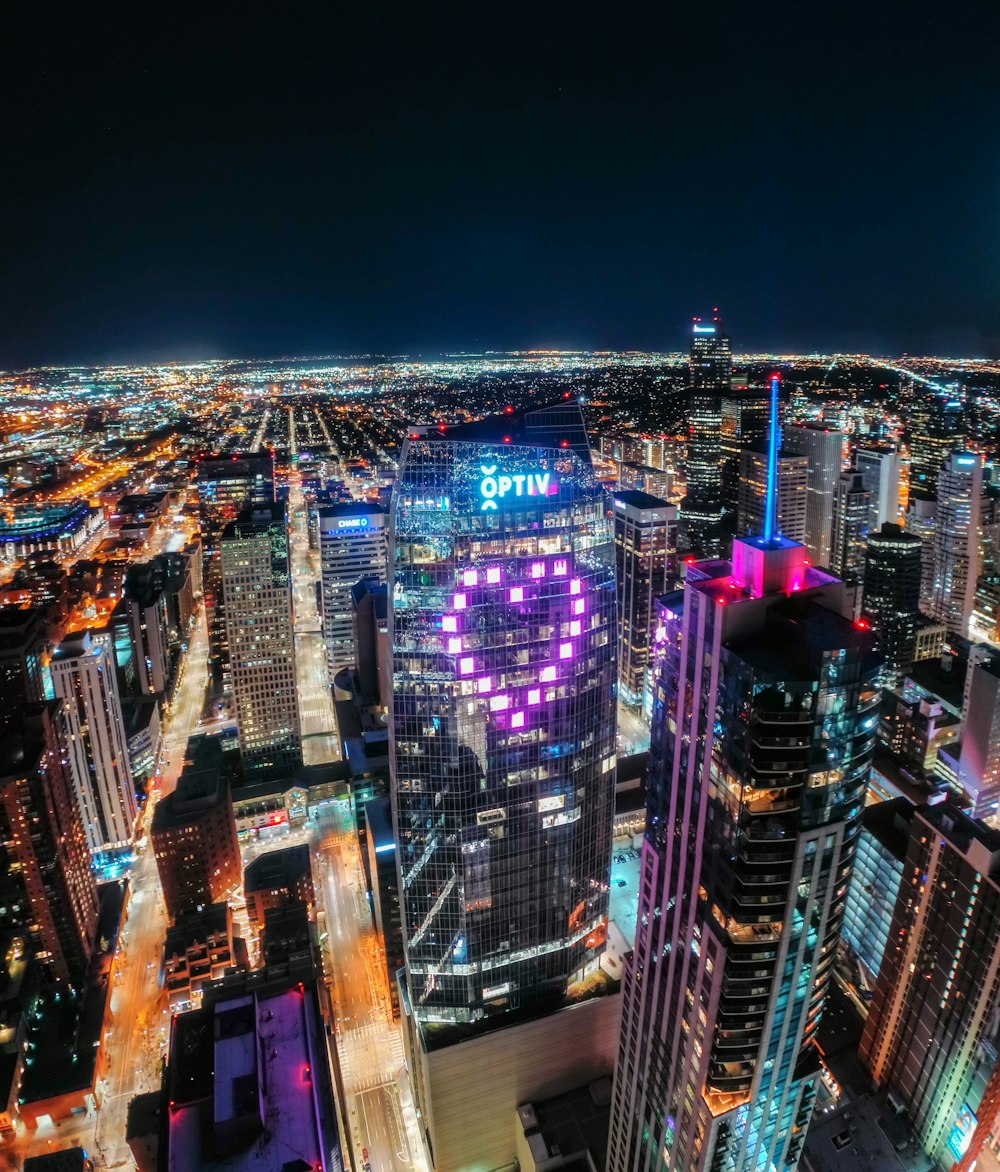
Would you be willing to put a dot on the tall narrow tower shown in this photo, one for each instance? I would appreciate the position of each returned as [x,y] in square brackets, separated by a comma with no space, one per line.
[503,732]
[711,368]
[504,642]
[257,591]
[957,553]
[763,729]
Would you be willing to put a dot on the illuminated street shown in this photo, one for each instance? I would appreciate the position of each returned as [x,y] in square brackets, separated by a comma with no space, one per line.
[138,1035]
[319,738]
[370,1045]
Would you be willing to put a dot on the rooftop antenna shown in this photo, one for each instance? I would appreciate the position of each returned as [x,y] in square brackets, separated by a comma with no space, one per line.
[771,501]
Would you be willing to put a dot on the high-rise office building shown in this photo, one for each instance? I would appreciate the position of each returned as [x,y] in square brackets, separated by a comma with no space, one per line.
[372,641]
[881,472]
[763,731]
[792,494]
[504,646]
[849,531]
[824,450]
[956,541]
[932,1032]
[891,599]
[141,622]
[502,752]
[226,485]
[875,880]
[22,649]
[257,594]
[744,425]
[710,370]
[986,609]
[48,885]
[645,555]
[352,546]
[935,427]
[979,760]
[84,678]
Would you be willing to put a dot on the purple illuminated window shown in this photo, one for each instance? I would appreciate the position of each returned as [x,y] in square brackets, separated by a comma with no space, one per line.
[538,569]
[560,567]
[574,627]
[517,720]
[574,586]
[493,575]
[547,675]
[485,685]
[459,601]
[470,578]
[517,594]
[579,606]
[449,623]
[565,650]
[499,703]
[465,666]
[535,696]
[455,645]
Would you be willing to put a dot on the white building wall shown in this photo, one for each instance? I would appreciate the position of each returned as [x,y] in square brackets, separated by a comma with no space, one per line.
[471,1089]
[84,678]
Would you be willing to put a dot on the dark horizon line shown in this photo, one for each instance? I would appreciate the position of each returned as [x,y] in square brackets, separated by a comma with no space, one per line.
[452,354]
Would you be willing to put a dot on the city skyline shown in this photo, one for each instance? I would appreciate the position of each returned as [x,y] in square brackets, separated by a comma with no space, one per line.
[500,588]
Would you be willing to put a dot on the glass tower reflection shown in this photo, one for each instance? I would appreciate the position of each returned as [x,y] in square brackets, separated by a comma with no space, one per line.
[503,732]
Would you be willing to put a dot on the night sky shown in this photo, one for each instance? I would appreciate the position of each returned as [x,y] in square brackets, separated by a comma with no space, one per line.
[222,179]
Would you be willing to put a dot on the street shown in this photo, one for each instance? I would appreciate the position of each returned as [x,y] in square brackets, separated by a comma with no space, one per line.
[320,742]
[370,1045]
[138,1035]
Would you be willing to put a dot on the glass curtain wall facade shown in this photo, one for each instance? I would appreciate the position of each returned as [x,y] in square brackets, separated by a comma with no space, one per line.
[503,734]
[711,369]
[764,724]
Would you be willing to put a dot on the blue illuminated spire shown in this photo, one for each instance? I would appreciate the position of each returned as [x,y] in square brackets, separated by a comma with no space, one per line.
[771,501]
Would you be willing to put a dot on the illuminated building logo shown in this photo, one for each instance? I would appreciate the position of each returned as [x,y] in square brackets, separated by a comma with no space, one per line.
[495,486]
[961,1134]
[353,523]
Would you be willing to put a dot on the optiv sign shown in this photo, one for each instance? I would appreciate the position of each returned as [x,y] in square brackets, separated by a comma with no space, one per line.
[495,486]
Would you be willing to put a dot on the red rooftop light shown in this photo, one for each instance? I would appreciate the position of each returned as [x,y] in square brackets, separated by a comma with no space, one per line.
[508,410]
[564,444]
[506,439]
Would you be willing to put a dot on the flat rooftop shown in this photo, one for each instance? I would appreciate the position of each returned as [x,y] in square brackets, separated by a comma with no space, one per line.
[257,1058]
[641,500]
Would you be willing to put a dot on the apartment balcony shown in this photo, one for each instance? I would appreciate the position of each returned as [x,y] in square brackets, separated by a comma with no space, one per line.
[730,1077]
[727,1049]
[770,827]
[736,1009]
[769,933]
[774,801]
[869,701]
[758,856]
[782,716]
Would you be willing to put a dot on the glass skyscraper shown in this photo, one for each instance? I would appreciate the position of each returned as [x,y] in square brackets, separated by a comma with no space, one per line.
[711,368]
[503,732]
[764,724]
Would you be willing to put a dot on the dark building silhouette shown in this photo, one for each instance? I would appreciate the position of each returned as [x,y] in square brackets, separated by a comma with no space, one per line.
[194,839]
[48,886]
